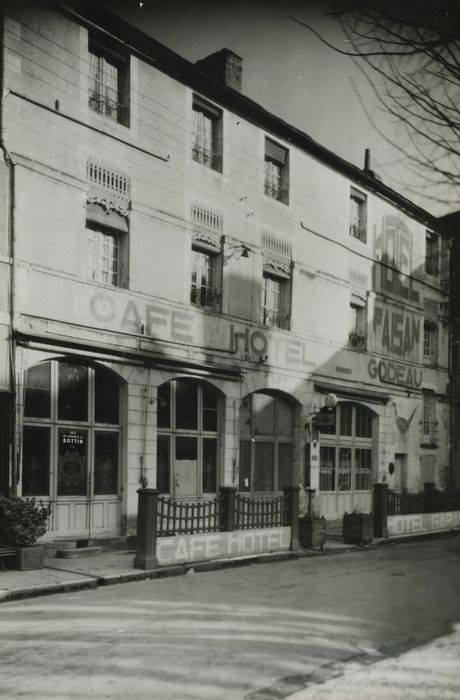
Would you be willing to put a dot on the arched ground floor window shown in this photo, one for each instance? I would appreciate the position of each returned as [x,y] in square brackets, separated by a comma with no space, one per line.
[189,420]
[266,442]
[71,446]
[346,461]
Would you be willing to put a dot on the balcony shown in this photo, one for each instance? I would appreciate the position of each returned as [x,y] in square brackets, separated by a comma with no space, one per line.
[356,341]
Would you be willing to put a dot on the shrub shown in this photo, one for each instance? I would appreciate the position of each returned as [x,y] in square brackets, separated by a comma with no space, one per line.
[22,520]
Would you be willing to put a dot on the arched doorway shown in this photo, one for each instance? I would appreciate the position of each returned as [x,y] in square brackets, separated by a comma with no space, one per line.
[71,446]
[266,442]
[189,422]
[346,461]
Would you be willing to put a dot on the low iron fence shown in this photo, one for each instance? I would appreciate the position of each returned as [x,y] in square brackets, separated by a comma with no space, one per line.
[429,501]
[251,513]
[214,515]
[188,517]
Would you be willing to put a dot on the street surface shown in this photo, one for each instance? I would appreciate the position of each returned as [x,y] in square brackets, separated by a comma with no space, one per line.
[322,627]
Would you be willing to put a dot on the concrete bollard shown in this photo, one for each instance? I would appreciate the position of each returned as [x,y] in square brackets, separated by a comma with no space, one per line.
[146,538]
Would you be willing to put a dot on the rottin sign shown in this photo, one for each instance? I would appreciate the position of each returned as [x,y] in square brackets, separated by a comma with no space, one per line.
[72,463]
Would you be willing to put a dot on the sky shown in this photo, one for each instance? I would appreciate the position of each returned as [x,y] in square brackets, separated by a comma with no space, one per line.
[288,71]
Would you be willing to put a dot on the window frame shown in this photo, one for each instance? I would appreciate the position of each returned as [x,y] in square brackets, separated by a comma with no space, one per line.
[271,316]
[122,240]
[172,432]
[105,53]
[350,419]
[212,159]
[251,439]
[213,293]
[278,156]
[54,423]
[432,253]
[358,222]
[428,422]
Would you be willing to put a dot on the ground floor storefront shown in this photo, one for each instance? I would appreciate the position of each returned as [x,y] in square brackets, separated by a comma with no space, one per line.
[90,431]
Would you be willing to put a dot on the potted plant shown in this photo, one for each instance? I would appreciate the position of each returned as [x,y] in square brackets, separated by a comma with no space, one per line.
[22,522]
[358,527]
[312,530]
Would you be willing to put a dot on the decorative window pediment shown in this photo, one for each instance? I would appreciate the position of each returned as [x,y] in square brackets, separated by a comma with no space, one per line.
[276,253]
[108,188]
[207,226]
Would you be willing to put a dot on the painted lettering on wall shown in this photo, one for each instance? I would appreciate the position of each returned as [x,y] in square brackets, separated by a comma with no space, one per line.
[400,525]
[255,343]
[393,249]
[152,319]
[390,372]
[187,548]
[397,332]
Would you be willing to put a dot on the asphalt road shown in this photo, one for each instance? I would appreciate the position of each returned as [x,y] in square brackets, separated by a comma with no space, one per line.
[259,632]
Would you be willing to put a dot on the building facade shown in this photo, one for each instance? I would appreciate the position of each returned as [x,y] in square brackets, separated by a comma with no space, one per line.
[191,278]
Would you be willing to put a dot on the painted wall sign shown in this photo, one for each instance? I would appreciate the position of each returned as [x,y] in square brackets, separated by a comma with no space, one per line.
[214,545]
[390,372]
[169,323]
[397,332]
[400,525]
[255,342]
[393,249]
[155,319]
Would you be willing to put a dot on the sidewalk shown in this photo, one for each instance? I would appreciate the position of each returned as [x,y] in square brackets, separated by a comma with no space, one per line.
[116,566]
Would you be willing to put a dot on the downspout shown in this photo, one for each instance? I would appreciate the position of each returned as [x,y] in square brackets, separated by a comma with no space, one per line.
[10,163]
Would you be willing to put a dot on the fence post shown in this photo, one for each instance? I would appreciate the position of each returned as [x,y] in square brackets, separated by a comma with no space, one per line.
[429,489]
[380,508]
[227,511]
[146,539]
[291,494]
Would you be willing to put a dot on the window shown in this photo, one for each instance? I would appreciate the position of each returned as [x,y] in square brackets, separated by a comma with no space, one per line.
[206,281]
[276,171]
[103,255]
[188,438]
[428,416]
[71,431]
[273,291]
[205,288]
[346,452]
[108,82]
[430,337]
[207,134]
[276,282]
[358,215]
[266,447]
[431,254]
[357,325]
[107,225]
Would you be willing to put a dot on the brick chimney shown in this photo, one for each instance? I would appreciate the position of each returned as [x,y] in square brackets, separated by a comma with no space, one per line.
[225,67]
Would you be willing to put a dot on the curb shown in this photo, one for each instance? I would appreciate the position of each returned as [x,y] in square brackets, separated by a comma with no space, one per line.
[7,594]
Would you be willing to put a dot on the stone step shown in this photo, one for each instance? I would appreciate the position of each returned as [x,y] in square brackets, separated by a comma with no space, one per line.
[78,553]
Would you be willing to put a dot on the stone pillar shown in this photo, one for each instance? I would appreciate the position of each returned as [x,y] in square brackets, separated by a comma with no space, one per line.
[292,497]
[227,509]
[146,537]
[380,508]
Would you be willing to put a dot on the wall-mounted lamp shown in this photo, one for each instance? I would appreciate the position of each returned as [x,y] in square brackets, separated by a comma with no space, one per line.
[237,251]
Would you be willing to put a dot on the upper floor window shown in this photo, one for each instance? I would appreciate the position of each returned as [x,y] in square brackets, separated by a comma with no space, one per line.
[276,171]
[431,253]
[108,82]
[107,217]
[206,283]
[428,416]
[206,279]
[207,134]
[358,215]
[357,324]
[430,338]
[276,282]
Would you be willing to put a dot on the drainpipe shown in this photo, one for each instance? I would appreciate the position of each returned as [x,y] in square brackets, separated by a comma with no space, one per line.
[10,163]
